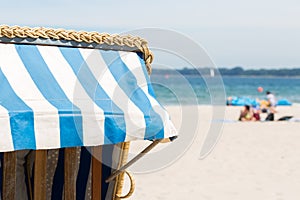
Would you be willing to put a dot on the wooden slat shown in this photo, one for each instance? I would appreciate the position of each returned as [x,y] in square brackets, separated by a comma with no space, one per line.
[70,174]
[96,172]
[40,175]
[123,156]
[9,176]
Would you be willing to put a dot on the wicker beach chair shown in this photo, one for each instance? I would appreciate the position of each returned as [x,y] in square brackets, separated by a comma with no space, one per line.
[70,104]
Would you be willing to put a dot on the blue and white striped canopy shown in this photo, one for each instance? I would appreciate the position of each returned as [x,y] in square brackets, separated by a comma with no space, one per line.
[53,97]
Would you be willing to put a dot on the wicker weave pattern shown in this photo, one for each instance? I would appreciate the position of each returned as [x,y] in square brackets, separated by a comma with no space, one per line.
[79,36]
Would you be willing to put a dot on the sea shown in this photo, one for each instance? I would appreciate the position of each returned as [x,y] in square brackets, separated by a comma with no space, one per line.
[195,89]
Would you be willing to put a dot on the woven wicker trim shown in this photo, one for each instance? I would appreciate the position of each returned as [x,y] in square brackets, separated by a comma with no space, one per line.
[79,36]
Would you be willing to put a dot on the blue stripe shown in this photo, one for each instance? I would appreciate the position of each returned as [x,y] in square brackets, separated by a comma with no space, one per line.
[21,116]
[115,127]
[70,119]
[150,88]
[127,81]
[147,77]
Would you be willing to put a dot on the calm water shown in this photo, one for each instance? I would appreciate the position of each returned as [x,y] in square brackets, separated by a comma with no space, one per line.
[193,89]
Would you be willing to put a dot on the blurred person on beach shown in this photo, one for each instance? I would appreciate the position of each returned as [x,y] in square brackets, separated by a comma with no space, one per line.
[229,101]
[272,101]
[272,106]
[263,105]
[247,114]
[256,112]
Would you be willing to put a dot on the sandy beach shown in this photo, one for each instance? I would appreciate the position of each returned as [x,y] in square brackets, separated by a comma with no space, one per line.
[252,160]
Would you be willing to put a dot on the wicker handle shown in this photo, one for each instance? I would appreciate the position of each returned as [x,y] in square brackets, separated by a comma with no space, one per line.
[132,187]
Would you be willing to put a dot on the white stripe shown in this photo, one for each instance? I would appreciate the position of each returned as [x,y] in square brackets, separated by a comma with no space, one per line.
[6,141]
[46,120]
[134,117]
[92,115]
[132,61]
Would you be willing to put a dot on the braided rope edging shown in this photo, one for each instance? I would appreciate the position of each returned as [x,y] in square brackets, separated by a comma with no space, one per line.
[79,36]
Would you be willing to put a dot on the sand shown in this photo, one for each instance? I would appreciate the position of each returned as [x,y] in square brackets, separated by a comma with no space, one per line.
[252,160]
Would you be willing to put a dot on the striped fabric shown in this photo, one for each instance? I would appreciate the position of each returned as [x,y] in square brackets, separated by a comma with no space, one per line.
[55,97]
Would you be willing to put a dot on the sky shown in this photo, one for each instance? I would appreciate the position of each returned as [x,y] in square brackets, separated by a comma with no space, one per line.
[251,34]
